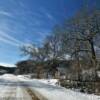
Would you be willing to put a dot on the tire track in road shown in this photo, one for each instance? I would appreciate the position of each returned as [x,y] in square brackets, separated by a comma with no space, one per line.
[18,90]
[25,93]
[30,91]
[4,91]
[21,93]
[13,91]
[10,95]
[33,96]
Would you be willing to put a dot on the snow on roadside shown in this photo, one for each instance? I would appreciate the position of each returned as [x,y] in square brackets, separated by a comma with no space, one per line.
[49,90]
[53,82]
[59,93]
[8,77]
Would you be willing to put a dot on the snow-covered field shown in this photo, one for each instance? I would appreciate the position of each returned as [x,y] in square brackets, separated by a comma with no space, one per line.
[42,88]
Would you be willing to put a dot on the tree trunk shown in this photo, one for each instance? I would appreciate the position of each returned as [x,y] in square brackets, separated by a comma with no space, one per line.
[94,61]
[92,50]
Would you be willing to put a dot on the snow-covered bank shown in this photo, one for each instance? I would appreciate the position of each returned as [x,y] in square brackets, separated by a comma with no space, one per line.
[53,82]
[53,92]
[49,91]
[59,93]
[8,77]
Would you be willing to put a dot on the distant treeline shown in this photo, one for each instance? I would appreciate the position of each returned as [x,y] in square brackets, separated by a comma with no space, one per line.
[4,69]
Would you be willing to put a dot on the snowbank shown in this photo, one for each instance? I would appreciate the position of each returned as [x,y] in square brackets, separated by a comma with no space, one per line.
[8,77]
[53,82]
[58,93]
[51,92]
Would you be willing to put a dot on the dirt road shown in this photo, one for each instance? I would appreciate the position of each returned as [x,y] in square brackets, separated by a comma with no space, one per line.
[15,90]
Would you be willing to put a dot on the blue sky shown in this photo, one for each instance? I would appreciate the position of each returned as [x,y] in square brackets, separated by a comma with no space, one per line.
[30,21]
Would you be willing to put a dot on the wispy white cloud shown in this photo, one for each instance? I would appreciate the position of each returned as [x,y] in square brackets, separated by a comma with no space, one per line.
[4,13]
[8,42]
[48,14]
[43,34]
[9,39]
